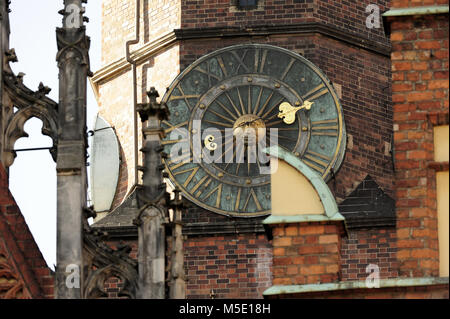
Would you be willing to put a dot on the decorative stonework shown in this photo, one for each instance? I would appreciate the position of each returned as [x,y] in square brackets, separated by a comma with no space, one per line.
[103,263]
[29,104]
[11,286]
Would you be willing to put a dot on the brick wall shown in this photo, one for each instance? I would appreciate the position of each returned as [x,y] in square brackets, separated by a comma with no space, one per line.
[20,258]
[349,15]
[367,105]
[369,246]
[117,28]
[116,94]
[224,255]
[116,106]
[230,266]
[420,96]
[233,266]
[307,253]
[118,24]
[114,285]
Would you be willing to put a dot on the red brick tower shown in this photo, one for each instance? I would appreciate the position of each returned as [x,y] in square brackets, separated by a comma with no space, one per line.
[232,257]
[420,94]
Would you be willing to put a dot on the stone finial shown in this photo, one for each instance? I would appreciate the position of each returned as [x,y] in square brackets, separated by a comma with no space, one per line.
[73,14]
[20,77]
[153,108]
[44,89]
[11,55]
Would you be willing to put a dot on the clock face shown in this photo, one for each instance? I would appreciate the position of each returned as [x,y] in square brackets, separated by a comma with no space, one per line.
[221,99]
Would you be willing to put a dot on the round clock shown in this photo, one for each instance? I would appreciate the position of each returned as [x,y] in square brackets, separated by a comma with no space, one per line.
[222,97]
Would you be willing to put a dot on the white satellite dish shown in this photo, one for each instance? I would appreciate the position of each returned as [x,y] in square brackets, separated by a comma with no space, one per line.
[105,165]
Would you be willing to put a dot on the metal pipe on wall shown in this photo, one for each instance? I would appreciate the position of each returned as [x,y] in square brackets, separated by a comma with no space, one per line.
[136,40]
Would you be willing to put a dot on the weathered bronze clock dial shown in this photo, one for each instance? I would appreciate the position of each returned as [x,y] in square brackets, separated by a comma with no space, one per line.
[239,89]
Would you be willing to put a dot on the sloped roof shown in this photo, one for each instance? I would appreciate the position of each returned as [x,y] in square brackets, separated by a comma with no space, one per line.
[23,270]
[123,215]
[368,206]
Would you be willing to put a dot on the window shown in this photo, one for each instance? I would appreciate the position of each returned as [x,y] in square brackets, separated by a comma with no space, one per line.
[247,4]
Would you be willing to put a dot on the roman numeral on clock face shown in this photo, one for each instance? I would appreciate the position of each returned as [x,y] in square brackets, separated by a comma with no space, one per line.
[173,127]
[179,161]
[217,190]
[184,97]
[252,195]
[207,73]
[316,161]
[193,171]
[201,185]
[222,66]
[325,128]
[286,71]
[315,93]
[240,60]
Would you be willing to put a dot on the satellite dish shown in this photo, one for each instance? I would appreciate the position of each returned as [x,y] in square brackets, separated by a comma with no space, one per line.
[105,165]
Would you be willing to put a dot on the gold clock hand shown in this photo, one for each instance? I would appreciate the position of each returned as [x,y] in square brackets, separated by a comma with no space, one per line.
[287,111]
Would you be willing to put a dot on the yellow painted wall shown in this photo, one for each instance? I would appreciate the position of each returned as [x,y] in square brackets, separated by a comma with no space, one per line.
[441,154]
[292,193]
[441,143]
[443,221]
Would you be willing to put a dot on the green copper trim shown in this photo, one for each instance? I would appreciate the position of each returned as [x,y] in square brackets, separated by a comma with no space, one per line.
[416,11]
[347,285]
[301,219]
[328,202]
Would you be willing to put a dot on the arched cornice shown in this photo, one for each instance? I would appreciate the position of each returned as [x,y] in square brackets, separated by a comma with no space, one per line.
[29,104]
[324,193]
[102,262]
[95,284]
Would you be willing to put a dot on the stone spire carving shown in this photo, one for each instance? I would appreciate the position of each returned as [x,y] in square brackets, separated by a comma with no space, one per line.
[153,216]
[155,227]
[152,114]
[73,63]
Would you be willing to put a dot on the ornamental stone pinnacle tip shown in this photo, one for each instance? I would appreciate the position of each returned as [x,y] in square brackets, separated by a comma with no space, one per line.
[153,93]
[153,108]
[11,55]
[44,89]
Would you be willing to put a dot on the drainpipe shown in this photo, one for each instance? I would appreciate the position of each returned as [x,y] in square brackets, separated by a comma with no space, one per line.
[133,66]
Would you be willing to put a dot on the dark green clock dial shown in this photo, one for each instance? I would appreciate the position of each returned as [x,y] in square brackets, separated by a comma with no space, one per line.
[243,86]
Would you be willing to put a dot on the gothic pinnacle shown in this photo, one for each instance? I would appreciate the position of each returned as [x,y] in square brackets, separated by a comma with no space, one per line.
[153,107]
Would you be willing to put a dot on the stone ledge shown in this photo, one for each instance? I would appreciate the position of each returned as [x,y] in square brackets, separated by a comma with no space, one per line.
[348,285]
[271,220]
[428,10]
